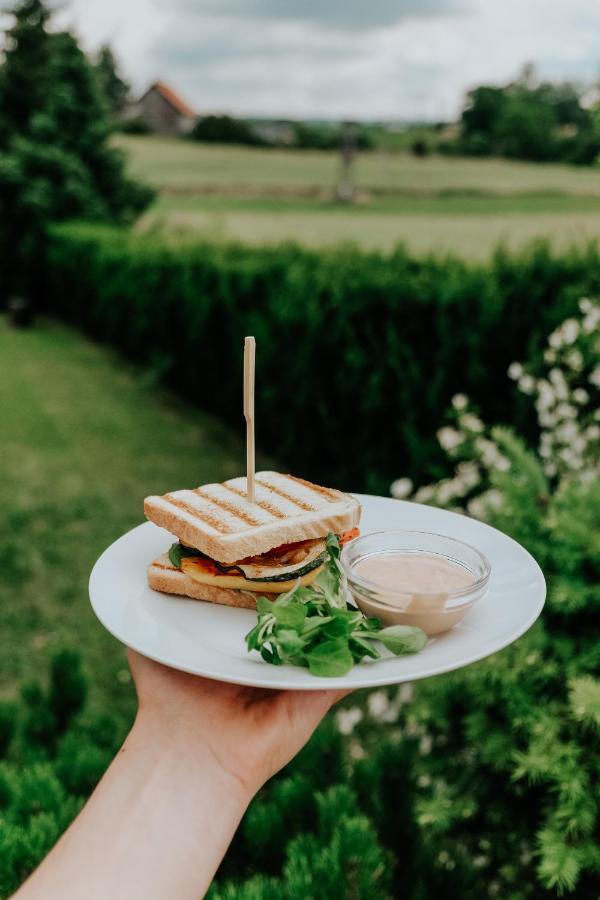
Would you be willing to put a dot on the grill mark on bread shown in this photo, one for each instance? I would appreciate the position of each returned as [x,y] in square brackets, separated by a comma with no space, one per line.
[199,514]
[286,496]
[329,493]
[264,504]
[228,507]
[157,565]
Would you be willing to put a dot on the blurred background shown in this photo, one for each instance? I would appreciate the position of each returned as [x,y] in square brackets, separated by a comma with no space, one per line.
[401,201]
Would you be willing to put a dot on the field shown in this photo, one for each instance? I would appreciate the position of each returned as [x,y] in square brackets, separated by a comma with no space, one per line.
[464,206]
[85,439]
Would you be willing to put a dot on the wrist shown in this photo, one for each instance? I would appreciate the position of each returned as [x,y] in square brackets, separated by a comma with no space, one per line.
[189,758]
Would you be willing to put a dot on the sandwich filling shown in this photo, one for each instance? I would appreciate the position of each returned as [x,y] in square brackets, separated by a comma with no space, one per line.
[271,572]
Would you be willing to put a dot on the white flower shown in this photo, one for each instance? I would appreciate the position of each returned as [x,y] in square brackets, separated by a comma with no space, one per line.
[580,395]
[559,383]
[490,455]
[566,432]
[546,395]
[592,432]
[546,420]
[515,370]
[550,469]
[471,422]
[378,704]
[401,488]
[446,491]
[468,473]
[570,330]
[594,377]
[574,360]
[476,508]
[591,321]
[449,438]
[555,339]
[550,356]
[347,718]
[585,304]
[425,493]
[565,411]
[460,401]
[526,384]
[493,498]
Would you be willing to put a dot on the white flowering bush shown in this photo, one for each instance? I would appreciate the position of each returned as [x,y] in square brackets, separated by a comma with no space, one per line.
[506,774]
[565,398]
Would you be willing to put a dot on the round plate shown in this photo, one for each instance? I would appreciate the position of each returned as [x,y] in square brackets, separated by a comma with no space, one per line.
[207,639]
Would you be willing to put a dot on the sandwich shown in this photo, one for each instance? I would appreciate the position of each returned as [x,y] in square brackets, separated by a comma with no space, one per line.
[231,551]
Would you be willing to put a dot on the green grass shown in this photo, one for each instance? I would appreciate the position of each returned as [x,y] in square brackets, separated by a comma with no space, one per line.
[462,206]
[175,164]
[84,440]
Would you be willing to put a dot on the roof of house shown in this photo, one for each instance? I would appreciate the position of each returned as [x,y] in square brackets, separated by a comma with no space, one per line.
[173,99]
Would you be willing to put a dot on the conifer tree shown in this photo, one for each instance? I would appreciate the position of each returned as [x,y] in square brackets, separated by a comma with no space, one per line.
[57,161]
[113,86]
[23,72]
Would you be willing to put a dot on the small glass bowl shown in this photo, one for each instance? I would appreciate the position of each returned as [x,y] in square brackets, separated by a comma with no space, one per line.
[433,612]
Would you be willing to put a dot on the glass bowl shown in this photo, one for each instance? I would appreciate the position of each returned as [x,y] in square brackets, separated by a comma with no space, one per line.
[434,611]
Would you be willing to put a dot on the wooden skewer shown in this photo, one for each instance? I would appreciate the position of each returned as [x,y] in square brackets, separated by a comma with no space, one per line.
[249,357]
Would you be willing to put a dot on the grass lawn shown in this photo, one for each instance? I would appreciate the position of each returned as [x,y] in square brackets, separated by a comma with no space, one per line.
[174,164]
[462,206]
[84,440]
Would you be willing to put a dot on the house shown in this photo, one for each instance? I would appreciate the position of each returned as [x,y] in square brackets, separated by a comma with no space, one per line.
[163,111]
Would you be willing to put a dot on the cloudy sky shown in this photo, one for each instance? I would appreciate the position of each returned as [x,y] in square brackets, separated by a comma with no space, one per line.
[370,59]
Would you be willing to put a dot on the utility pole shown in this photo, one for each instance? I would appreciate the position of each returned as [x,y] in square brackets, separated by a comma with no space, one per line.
[344,192]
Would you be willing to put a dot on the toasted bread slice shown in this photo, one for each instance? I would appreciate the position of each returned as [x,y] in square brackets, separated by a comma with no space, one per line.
[218,520]
[164,577]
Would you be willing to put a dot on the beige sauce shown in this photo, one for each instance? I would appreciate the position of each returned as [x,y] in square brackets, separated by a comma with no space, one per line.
[417,584]
[421,573]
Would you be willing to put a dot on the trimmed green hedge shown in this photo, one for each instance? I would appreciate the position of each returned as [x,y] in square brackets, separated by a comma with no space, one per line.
[358,353]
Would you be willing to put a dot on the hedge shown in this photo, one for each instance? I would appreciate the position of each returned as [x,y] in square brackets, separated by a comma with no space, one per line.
[358,353]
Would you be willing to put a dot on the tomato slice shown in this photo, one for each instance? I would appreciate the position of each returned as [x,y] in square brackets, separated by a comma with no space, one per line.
[349,536]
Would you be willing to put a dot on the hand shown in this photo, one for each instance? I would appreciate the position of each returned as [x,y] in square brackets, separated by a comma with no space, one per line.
[249,733]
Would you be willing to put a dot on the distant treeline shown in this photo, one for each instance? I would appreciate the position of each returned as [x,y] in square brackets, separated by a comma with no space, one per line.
[225,129]
[537,121]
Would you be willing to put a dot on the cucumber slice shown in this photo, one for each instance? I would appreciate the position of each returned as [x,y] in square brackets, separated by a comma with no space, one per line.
[256,572]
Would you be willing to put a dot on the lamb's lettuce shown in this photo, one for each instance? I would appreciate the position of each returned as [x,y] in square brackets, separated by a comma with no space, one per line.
[313,626]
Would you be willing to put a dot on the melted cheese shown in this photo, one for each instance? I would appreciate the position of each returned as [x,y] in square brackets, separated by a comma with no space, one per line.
[203,571]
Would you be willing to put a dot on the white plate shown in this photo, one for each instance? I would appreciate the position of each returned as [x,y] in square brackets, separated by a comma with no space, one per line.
[207,639]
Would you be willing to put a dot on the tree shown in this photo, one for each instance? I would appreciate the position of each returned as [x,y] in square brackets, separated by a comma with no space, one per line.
[22,75]
[114,88]
[224,130]
[56,161]
[479,118]
[525,129]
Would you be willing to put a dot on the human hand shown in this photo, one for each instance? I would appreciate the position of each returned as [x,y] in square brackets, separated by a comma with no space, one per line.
[248,733]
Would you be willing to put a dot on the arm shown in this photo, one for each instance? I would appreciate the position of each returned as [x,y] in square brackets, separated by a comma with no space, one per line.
[163,815]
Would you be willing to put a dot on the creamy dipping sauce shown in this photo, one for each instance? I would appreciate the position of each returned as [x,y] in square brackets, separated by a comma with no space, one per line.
[414,573]
[415,589]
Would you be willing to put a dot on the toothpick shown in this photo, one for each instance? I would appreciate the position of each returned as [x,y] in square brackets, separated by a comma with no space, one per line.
[249,356]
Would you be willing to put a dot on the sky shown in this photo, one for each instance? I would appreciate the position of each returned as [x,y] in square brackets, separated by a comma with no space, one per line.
[358,59]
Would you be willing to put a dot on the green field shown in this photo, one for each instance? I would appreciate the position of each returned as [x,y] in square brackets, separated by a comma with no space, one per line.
[85,439]
[466,206]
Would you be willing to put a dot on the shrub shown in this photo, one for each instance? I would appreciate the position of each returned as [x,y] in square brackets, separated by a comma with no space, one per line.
[225,130]
[51,758]
[510,779]
[358,353]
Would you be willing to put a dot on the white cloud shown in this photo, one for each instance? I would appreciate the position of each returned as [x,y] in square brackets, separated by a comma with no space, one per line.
[308,58]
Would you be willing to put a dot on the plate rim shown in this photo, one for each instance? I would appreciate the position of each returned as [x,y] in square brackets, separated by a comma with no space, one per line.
[354,680]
